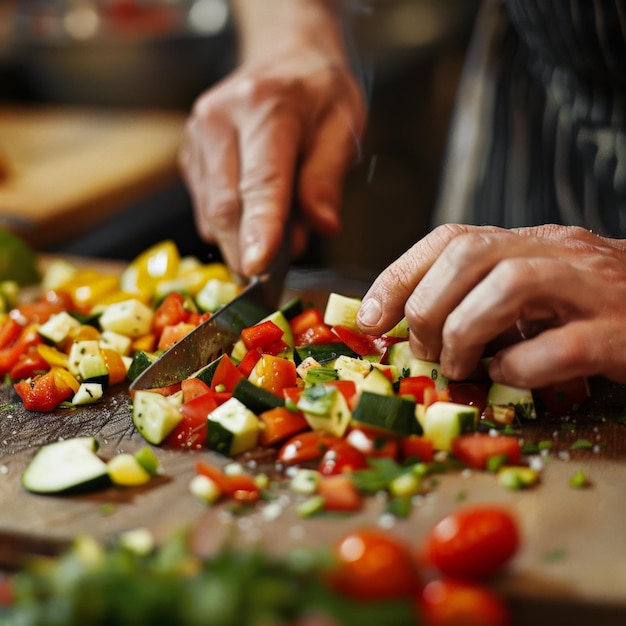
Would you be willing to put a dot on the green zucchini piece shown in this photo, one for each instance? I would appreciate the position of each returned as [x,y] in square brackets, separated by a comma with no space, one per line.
[71,465]
[155,416]
[324,352]
[257,399]
[401,356]
[388,412]
[232,428]
[141,361]
[520,398]
[443,421]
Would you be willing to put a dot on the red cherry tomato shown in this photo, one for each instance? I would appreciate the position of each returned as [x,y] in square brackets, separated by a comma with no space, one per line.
[450,602]
[472,542]
[374,565]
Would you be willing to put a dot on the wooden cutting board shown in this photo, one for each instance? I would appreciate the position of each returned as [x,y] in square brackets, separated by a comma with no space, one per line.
[68,169]
[571,568]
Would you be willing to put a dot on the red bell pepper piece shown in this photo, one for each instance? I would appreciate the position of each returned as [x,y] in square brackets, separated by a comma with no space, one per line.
[279,424]
[248,362]
[43,393]
[414,386]
[261,335]
[339,493]
[171,311]
[226,374]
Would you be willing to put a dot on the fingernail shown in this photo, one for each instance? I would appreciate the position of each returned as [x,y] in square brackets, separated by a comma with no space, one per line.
[253,258]
[370,312]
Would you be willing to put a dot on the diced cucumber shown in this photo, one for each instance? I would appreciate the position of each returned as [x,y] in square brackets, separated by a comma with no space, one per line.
[86,362]
[88,393]
[443,421]
[232,428]
[141,361]
[155,416]
[257,399]
[66,466]
[130,317]
[521,399]
[350,368]
[215,294]
[401,356]
[376,382]
[204,489]
[115,341]
[292,308]
[324,353]
[58,327]
[400,330]
[325,409]
[148,460]
[341,311]
[391,413]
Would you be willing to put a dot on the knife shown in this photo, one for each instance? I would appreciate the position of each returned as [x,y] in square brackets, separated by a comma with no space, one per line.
[218,334]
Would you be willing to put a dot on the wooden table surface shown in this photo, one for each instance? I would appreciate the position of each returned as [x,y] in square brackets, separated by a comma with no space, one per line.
[571,568]
[68,169]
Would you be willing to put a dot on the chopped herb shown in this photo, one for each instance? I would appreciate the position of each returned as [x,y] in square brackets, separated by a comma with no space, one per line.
[400,506]
[554,555]
[461,496]
[581,444]
[579,480]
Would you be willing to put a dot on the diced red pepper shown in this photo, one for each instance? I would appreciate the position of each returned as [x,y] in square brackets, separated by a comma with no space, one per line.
[248,362]
[240,487]
[170,312]
[226,374]
[274,374]
[373,443]
[339,493]
[309,318]
[261,335]
[347,388]
[193,387]
[173,333]
[415,386]
[43,393]
[417,447]
[363,343]
[320,333]
[279,424]
[342,458]
[28,365]
[9,332]
[191,431]
[475,449]
[307,446]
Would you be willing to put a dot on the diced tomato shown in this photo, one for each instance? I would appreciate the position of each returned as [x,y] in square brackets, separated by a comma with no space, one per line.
[320,333]
[307,319]
[279,424]
[9,332]
[261,335]
[193,387]
[226,374]
[347,388]
[292,395]
[214,473]
[170,312]
[307,446]
[10,355]
[342,458]
[191,431]
[475,449]
[248,362]
[449,602]
[28,365]
[339,493]
[197,318]
[274,374]
[473,394]
[40,311]
[373,443]
[415,386]
[417,447]
[174,333]
[45,392]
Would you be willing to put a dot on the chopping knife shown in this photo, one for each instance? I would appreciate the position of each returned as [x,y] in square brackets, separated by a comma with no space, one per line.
[218,334]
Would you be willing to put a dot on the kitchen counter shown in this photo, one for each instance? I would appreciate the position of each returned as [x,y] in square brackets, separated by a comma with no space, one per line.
[571,567]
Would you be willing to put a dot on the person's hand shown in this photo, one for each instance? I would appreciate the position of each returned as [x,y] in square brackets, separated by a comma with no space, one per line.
[268,136]
[460,287]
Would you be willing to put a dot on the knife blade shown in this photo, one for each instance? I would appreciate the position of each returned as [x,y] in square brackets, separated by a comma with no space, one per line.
[218,334]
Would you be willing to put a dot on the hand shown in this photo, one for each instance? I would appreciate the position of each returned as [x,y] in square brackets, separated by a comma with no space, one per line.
[563,289]
[269,133]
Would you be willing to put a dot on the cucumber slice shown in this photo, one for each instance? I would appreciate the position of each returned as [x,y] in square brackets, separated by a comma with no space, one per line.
[443,421]
[519,398]
[155,416]
[66,466]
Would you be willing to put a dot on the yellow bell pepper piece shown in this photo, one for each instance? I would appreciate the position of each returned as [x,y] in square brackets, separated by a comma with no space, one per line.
[52,356]
[89,287]
[159,262]
[66,376]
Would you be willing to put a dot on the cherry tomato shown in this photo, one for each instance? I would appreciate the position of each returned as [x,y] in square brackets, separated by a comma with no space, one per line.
[450,602]
[475,449]
[342,458]
[374,565]
[473,542]
[565,396]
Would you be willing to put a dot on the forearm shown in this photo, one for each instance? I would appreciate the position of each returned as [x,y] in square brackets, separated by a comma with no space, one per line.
[268,28]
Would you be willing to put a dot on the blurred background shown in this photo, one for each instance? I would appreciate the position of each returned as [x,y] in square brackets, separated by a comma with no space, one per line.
[94,93]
